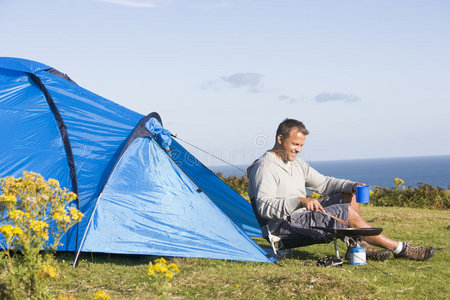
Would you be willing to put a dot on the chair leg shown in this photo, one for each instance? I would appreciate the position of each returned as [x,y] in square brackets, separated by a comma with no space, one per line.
[277,246]
[336,248]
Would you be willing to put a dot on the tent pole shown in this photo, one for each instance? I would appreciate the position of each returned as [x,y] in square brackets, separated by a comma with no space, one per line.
[75,262]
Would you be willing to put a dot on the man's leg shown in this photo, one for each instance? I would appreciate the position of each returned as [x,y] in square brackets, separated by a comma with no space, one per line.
[356,221]
[407,250]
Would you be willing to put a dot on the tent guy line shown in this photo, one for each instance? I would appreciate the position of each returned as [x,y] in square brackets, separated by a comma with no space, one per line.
[218,158]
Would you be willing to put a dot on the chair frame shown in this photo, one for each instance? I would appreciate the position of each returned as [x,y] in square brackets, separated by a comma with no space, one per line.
[283,244]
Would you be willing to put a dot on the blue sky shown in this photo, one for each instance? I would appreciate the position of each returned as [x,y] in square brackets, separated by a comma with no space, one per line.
[368,78]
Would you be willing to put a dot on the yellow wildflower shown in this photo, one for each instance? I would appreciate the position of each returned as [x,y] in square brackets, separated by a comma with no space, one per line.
[72,196]
[173,267]
[398,182]
[11,199]
[17,231]
[57,216]
[75,214]
[61,210]
[160,268]
[38,225]
[168,275]
[49,271]
[15,214]
[40,229]
[101,295]
[66,297]
[6,230]
[160,260]
[53,182]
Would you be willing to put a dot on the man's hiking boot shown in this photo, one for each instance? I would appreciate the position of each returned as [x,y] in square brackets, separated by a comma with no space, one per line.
[372,253]
[415,252]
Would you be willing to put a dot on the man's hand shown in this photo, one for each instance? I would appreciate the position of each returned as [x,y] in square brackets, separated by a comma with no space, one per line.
[355,185]
[311,204]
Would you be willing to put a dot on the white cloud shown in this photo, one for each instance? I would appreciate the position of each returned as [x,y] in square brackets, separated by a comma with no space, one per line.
[132,3]
[289,99]
[249,80]
[328,97]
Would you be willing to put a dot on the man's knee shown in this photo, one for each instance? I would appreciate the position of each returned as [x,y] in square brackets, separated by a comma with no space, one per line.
[353,214]
[348,197]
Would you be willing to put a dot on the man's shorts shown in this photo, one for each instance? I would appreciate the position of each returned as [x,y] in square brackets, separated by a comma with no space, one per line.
[301,221]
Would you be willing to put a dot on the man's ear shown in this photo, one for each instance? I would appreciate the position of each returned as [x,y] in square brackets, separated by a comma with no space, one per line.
[279,139]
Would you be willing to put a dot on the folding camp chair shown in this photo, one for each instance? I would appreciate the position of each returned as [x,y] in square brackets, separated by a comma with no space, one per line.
[283,244]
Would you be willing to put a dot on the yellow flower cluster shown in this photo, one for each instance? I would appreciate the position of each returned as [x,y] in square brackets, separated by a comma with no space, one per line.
[40,228]
[64,218]
[101,295]
[8,199]
[16,215]
[31,209]
[398,182]
[66,297]
[49,271]
[53,182]
[10,231]
[75,214]
[159,266]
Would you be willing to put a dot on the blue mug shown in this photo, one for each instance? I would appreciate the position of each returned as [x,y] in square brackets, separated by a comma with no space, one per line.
[362,193]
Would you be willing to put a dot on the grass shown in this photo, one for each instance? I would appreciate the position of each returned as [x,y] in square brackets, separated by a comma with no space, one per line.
[297,276]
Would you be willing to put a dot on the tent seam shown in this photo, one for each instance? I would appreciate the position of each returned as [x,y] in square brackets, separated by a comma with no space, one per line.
[64,136]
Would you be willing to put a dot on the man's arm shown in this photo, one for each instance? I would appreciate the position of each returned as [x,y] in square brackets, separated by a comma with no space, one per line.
[325,185]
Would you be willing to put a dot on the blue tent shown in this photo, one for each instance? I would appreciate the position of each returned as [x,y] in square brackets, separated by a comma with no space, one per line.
[141,192]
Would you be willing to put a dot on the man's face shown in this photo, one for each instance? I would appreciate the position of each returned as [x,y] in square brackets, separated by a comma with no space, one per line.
[292,144]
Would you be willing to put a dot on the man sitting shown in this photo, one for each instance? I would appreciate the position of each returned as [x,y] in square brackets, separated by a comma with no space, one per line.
[277,184]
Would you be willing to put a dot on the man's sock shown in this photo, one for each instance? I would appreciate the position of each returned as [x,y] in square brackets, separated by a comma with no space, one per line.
[399,248]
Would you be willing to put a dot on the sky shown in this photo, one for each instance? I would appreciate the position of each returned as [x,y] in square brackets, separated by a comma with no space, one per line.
[370,79]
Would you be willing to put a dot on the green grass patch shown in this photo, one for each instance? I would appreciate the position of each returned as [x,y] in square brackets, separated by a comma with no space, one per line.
[297,276]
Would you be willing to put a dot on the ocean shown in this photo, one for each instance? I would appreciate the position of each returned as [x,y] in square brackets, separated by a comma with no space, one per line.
[432,170]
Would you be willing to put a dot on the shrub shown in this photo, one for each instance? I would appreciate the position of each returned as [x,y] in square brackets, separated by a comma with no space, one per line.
[34,217]
[424,196]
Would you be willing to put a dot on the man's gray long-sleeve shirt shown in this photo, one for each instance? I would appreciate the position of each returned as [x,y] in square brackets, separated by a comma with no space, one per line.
[276,186]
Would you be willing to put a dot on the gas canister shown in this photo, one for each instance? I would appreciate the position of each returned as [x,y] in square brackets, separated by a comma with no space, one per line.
[358,255]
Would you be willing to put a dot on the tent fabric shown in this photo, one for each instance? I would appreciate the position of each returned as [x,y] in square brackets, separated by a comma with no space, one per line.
[22,65]
[237,208]
[163,135]
[106,153]
[30,138]
[147,187]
